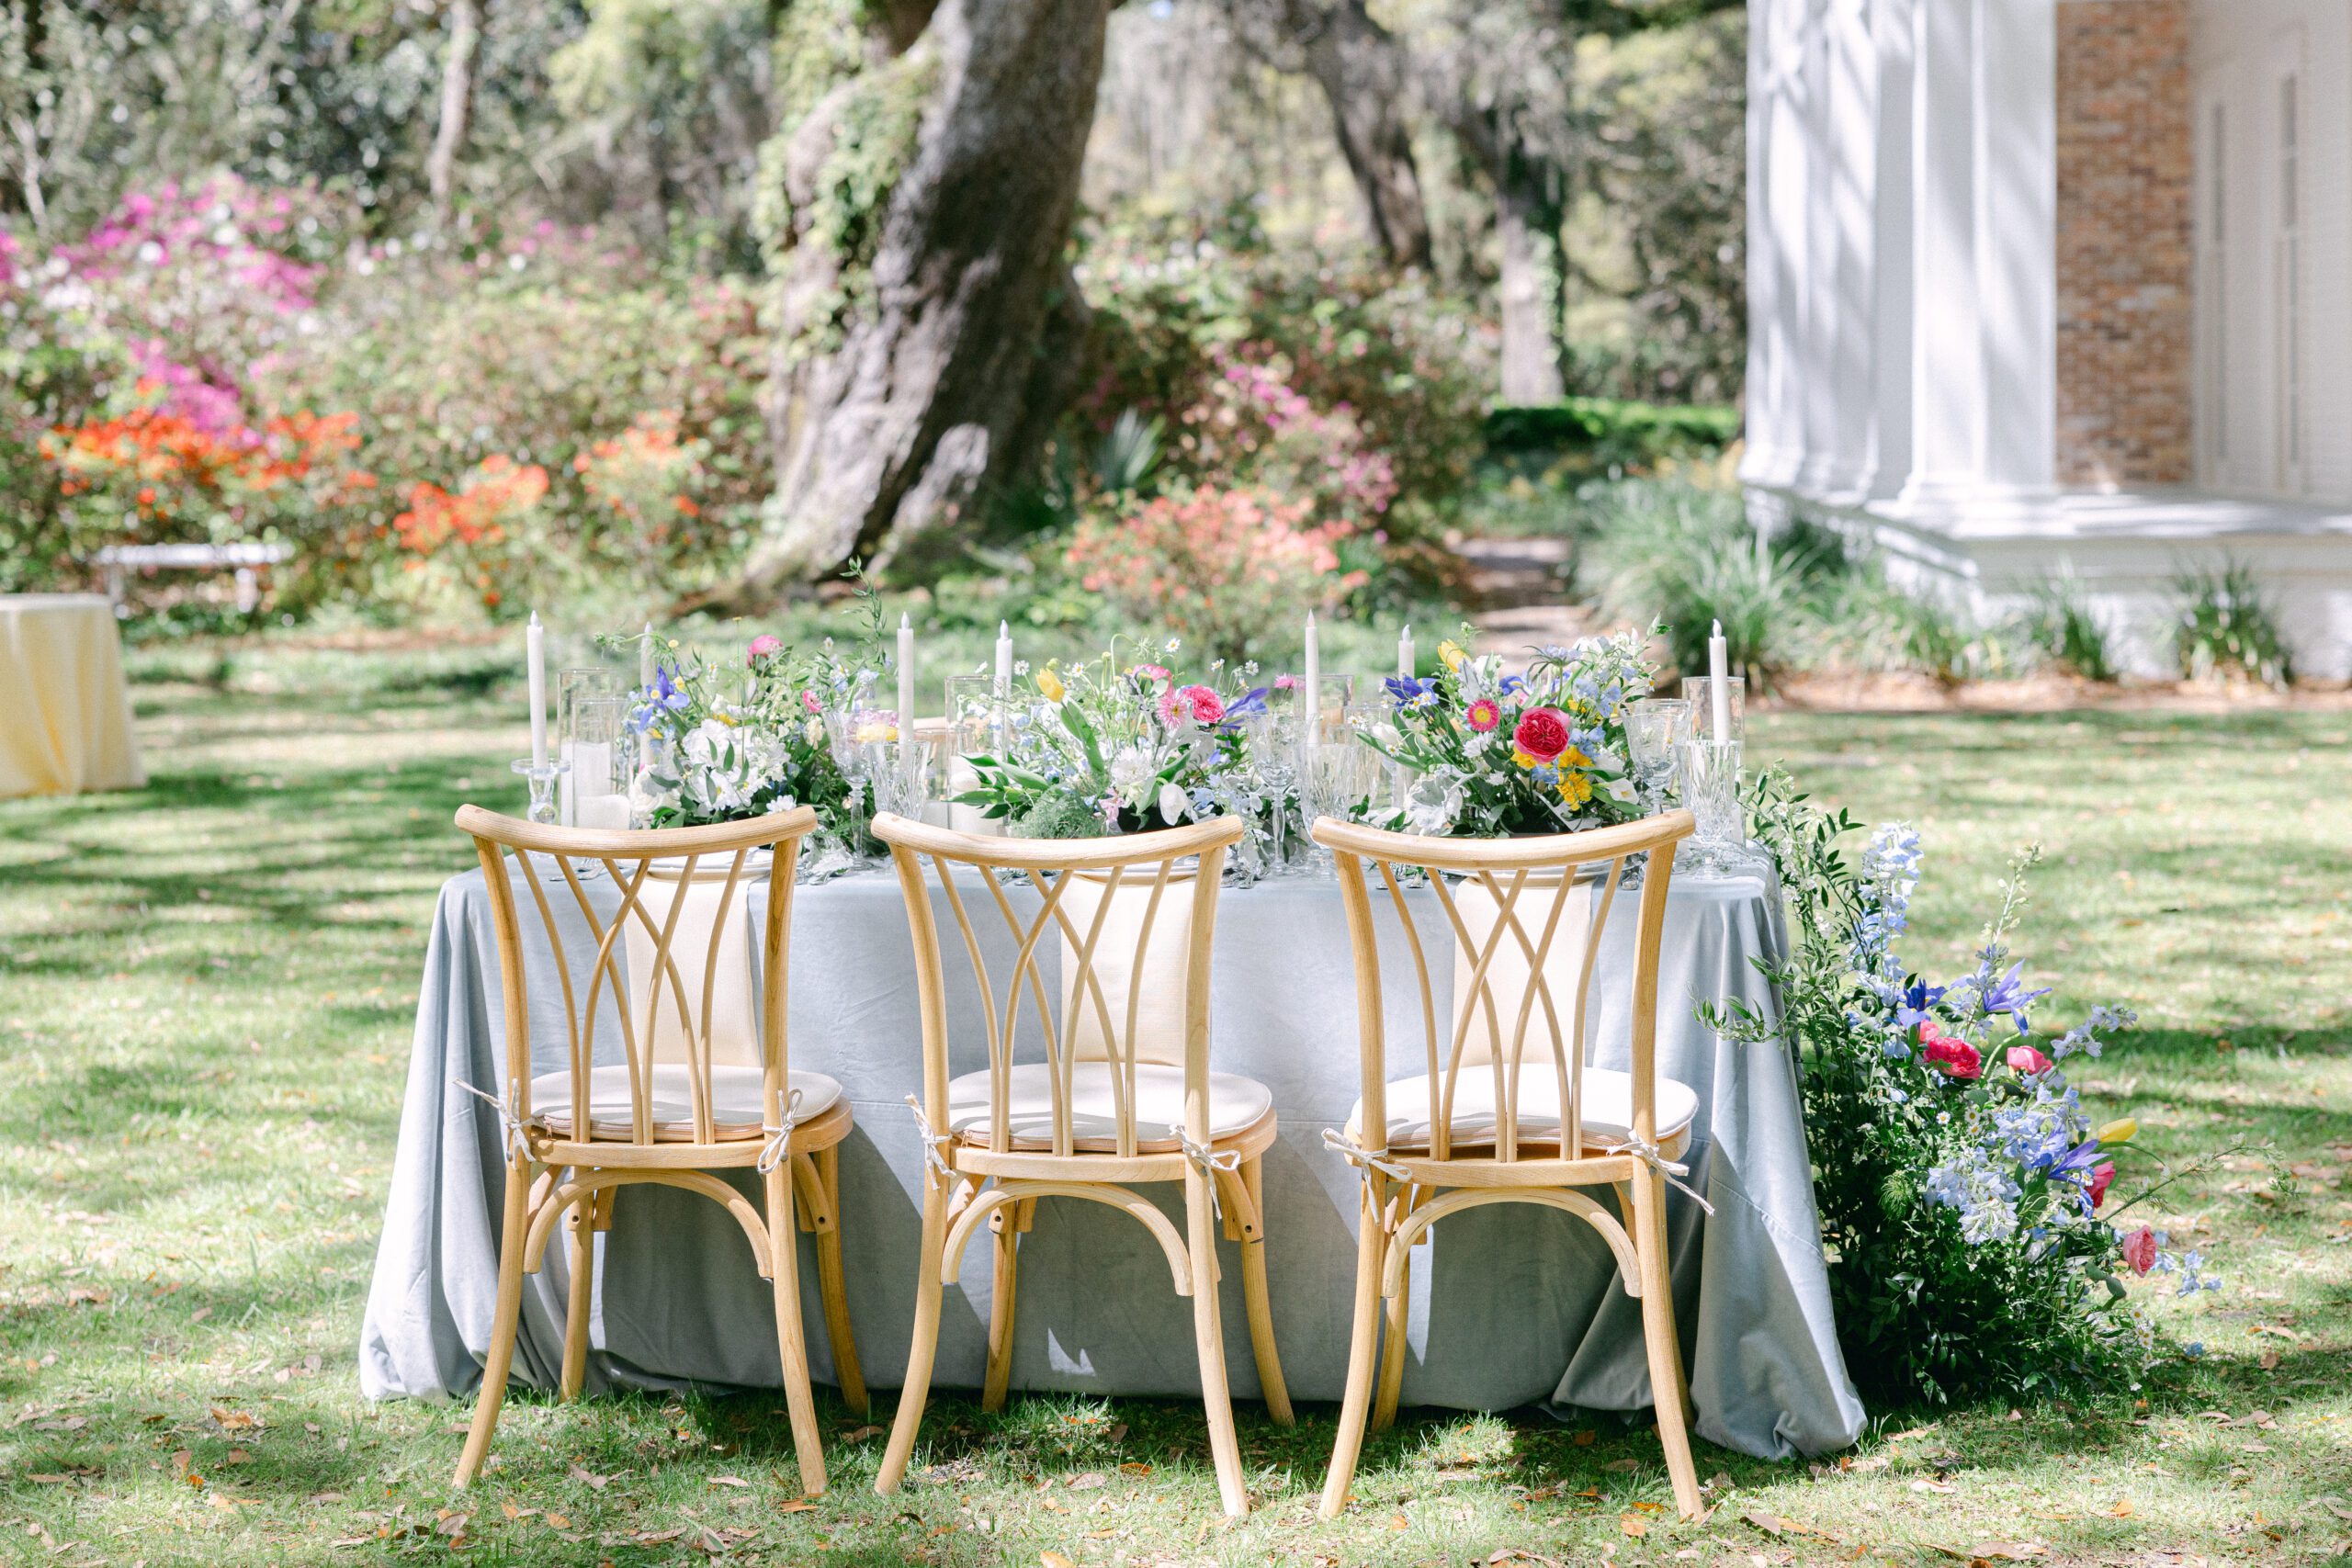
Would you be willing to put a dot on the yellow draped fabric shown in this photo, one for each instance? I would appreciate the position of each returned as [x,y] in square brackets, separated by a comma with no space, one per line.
[64,711]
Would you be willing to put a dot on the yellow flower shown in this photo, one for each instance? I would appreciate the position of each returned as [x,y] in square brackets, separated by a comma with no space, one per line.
[1450,651]
[2120,1132]
[1574,788]
[1051,684]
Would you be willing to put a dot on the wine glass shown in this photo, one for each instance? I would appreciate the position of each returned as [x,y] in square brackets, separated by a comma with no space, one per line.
[1273,768]
[1655,730]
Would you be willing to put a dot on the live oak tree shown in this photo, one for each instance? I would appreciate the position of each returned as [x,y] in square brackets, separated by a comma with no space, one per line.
[919,214]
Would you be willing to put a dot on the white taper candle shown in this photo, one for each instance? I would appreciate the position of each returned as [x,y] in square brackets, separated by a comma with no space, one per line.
[906,687]
[535,652]
[1719,685]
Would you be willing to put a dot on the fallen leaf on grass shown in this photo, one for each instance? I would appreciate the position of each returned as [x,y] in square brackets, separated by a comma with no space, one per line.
[1131,1468]
[2007,1550]
[2333,1504]
[1086,1483]
[1634,1525]
[862,1434]
[728,1481]
[1774,1525]
[558,1521]
[593,1482]
[798,1505]
[231,1420]
[2122,1509]
[1053,1560]
[1622,1465]
[1943,1486]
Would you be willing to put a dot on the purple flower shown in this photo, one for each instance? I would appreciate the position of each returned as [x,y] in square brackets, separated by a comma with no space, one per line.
[1410,692]
[1917,1000]
[2008,995]
[663,697]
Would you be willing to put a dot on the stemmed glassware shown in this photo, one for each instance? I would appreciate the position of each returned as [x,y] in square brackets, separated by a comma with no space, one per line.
[1274,766]
[1656,729]
[1710,761]
[899,776]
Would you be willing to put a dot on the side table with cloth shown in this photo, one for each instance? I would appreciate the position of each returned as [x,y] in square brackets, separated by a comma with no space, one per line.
[1540,1320]
[64,711]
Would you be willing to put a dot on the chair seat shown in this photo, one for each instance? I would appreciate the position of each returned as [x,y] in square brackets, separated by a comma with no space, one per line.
[735,1110]
[1236,1104]
[1608,1109]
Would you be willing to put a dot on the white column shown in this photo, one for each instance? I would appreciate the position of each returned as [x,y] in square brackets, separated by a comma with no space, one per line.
[2017,226]
[1893,47]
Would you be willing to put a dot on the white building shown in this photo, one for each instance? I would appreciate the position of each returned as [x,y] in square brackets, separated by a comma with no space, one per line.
[2040,287]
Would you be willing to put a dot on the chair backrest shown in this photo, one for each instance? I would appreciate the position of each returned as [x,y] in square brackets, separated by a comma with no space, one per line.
[1522,922]
[651,950]
[1117,909]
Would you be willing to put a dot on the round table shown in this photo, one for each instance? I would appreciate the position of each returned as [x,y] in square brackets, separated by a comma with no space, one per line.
[64,711]
[1511,1305]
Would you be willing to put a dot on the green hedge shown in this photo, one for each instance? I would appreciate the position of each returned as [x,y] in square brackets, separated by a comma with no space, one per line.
[1614,431]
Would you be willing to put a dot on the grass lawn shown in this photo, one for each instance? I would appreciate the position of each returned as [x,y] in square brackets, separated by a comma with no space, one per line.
[205,994]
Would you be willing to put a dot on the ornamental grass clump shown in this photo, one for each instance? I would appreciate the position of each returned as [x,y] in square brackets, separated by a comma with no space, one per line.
[1965,1191]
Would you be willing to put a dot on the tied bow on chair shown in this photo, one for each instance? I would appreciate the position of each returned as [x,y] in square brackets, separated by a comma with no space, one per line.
[1650,1155]
[1355,1154]
[932,1142]
[512,1128]
[1210,1160]
[779,1145]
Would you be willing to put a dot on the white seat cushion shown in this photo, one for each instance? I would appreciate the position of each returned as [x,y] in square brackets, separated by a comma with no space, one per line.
[1235,1104]
[1608,1108]
[735,1110]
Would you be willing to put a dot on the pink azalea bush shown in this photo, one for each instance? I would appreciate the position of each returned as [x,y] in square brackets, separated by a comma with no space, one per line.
[1219,569]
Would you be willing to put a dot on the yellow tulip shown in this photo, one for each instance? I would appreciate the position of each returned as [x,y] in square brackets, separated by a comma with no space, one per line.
[1051,684]
[1451,652]
[2121,1131]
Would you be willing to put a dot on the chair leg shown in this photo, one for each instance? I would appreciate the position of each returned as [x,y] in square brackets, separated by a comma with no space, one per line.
[1208,1338]
[1270,1385]
[1009,1220]
[1668,1386]
[838,1333]
[1364,1346]
[1393,1337]
[785,1262]
[580,1256]
[924,1348]
[504,1322]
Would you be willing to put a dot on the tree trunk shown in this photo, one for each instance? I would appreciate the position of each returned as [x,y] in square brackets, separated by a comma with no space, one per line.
[960,345]
[1361,70]
[457,68]
[1527,222]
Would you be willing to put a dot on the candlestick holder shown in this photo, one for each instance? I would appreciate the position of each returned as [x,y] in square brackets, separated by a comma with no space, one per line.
[542,777]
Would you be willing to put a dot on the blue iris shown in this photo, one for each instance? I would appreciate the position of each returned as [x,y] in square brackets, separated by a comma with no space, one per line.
[1410,692]
[1917,1000]
[2008,995]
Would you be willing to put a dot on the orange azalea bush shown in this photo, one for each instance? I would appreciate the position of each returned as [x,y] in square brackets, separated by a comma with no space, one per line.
[642,486]
[156,474]
[481,539]
[1216,568]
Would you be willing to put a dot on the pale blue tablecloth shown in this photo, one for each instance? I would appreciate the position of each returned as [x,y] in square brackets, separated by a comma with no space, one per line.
[1522,1306]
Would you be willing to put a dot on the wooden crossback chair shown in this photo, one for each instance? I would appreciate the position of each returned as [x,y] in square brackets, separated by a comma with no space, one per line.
[1504,1107]
[673,965]
[1124,1097]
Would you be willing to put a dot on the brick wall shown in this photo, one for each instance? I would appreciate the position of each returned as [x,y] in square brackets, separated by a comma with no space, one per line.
[2124,189]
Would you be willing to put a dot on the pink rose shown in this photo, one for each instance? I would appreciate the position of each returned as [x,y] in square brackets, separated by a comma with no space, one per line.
[762,646]
[2140,1250]
[1541,734]
[2102,1178]
[1949,1054]
[2026,1060]
[1286,683]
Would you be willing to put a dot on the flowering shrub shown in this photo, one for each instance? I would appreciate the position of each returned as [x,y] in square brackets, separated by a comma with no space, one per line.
[483,539]
[1963,1190]
[154,474]
[1215,568]
[640,488]
[1540,753]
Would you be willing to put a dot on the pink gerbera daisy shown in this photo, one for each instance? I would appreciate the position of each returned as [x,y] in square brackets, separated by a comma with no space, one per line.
[1482,715]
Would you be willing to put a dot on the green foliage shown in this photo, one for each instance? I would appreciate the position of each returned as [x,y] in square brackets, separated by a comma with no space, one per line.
[1615,433]
[2059,624]
[454,363]
[2228,630]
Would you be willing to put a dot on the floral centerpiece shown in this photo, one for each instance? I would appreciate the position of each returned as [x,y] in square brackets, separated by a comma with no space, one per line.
[1976,1248]
[1119,747]
[723,744]
[1492,753]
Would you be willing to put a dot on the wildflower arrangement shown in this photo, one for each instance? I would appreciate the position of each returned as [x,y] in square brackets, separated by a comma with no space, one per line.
[1114,746]
[1965,1192]
[722,743]
[1492,753]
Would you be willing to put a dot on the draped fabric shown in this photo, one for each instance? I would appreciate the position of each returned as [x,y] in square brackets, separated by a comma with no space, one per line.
[64,712]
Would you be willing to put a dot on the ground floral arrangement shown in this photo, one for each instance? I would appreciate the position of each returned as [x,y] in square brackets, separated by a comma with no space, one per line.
[1976,1247]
